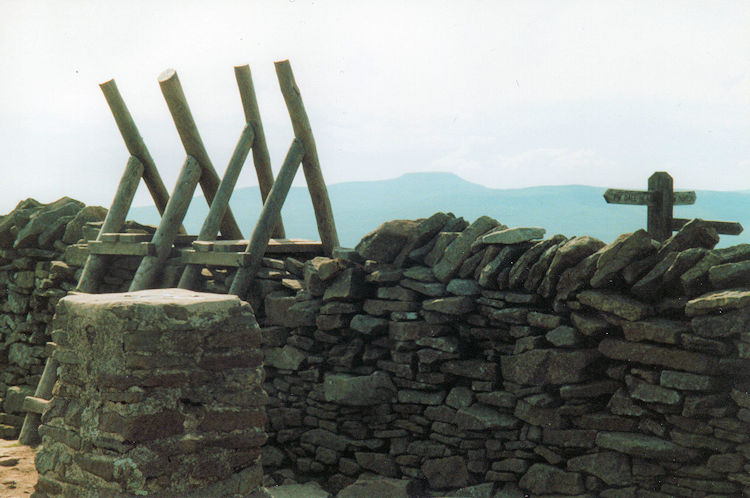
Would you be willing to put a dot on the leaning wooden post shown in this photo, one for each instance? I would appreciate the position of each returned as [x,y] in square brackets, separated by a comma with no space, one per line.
[29,431]
[167,230]
[258,244]
[221,201]
[115,219]
[135,145]
[659,223]
[310,163]
[261,158]
[191,140]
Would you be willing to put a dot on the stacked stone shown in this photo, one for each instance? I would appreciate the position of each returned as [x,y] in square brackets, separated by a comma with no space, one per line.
[33,238]
[159,393]
[557,366]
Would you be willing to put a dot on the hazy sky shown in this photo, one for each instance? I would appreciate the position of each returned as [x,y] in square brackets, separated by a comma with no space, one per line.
[507,94]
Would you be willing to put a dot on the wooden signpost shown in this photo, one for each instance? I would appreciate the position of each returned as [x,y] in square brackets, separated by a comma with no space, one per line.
[660,199]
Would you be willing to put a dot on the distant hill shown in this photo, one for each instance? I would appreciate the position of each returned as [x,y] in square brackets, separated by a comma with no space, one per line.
[360,207]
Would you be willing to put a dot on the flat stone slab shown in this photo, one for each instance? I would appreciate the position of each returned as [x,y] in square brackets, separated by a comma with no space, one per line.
[365,390]
[675,359]
[718,302]
[617,304]
[515,235]
[548,366]
[641,445]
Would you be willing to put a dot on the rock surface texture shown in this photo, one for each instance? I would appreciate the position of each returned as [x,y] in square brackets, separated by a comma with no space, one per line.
[159,393]
[500,365]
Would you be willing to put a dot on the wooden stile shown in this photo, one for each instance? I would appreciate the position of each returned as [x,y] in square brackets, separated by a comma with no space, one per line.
[310,162]
[193,144]
[256,248]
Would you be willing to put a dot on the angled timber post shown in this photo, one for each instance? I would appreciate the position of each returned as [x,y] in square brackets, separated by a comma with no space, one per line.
[37,404]
[114,221]
[310,162]
[165,234]
[269,216]
[261,158]
[135,144]
[221,202]
[193,144]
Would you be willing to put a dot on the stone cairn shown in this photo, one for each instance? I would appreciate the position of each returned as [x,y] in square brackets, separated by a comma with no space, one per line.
[472,355]
[159,393]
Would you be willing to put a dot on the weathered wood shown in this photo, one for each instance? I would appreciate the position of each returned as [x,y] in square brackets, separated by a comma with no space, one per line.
[32,404]
[632,197]
[269,216]
[275,246]
[170,221]
[133,238]
[310,162]
[684,198]
[641,198]
[191,140]
[261,158]
[135,144]
[29,431]
[722,227]
[220,203]
[95,265]
[659,221]
[104,248]
[195,258]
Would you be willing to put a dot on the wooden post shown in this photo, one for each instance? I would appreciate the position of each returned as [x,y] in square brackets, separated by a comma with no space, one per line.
[261,158]
[170,221]
[135,144]
[660,213]
[310,163]
[29,431]
[191,140]
[258,243]
[219,206]
[115,219]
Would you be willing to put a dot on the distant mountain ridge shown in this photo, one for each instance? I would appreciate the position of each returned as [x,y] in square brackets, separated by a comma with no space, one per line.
[360,207]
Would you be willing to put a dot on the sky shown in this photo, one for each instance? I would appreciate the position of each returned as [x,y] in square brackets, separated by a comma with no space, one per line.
[506,94]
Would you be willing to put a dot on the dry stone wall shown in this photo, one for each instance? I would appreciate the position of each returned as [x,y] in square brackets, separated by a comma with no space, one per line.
[459,354]
[451,354]
[159,393]
[33,277]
